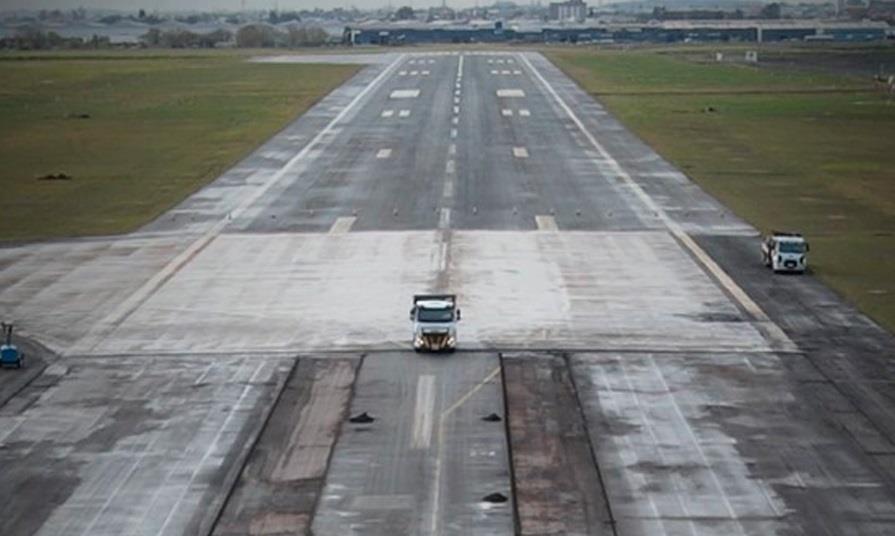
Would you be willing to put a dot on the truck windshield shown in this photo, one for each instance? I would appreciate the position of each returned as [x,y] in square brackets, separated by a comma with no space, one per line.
[792,247]
[435,315]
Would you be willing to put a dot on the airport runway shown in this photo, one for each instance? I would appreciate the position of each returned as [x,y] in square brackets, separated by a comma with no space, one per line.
[647,375]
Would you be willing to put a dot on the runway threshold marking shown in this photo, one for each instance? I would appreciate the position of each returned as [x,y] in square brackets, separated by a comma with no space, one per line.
[524,112]
[444,219]
[388,113]
[342,225]
[546,223]
[423,412]
[510,93]
[404,113]
[404,93]
[102,328]
[520,152]
[506,112]
[772,331]
[383,153]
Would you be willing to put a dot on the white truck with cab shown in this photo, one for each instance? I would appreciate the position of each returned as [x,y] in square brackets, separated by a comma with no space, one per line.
[785,252]
[435,318]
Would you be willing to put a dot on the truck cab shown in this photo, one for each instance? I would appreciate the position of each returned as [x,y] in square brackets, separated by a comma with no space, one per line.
[435,318]
[785,252]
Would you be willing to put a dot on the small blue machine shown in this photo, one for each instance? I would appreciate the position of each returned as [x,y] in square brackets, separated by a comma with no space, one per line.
[10,356]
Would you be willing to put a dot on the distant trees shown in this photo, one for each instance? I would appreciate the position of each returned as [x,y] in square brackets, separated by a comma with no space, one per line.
[404,13]
[265,36]
[256,36]
[771,11]
[178,38]
[276,17]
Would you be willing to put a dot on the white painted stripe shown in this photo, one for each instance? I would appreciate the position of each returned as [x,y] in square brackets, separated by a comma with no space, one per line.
[342,225]
[494,71]
[506,112]
[450,167]
[456,109]
[383,153]
[457,92]
[520,152]
[404,94]
[504,72]
[444,219]
[517,72]
[546,223]
[102,328]
[524,113]
[423,413]
[404,113]
[510,93]
[448,189]
[452,149]
[456,100]
[402,73]
[771,330]
[490,61]
[455,120]
[424,73]
[453,133]
[511,60]
[431,62]
[388,113]
[414,73]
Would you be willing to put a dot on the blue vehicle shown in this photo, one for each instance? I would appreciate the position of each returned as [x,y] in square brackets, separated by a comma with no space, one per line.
[10,356]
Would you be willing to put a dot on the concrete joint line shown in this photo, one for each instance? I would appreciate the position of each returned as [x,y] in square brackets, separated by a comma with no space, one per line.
[771,331]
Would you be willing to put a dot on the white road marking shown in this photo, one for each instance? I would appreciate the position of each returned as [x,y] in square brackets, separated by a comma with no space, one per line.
[510,93]
[511,60]
[404,113]
[524,113]
[388,113]
[452,149]
[546,223]
[342,225]
[431,62]
[450,167]
[455,120]
[453,133]
[771,330]
[424,73]
[456,100]
[520,152]
[504,72]
[444,219]
[383,153]
[414,73]
[423,412]
[402,73]
[457,92]
[517,72]
[500,61]
[404,94]
[456,109]
[490,61]
[448,189]
[494,71]
[506,112]
[101,329]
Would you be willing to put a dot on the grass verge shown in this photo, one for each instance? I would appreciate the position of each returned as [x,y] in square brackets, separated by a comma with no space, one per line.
[806,150]
[136,133]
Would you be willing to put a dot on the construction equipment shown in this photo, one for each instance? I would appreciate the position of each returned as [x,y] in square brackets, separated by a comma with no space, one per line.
[435,318]
[10,356]
[785,252]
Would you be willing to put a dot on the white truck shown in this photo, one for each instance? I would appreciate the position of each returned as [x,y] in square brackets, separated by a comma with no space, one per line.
[785,252]
[435,318]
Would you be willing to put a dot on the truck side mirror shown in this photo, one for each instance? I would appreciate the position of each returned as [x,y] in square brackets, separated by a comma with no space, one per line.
[458,315]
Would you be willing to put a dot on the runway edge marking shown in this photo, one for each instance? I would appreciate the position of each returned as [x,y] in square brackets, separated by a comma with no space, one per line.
[104,327]
[772,332]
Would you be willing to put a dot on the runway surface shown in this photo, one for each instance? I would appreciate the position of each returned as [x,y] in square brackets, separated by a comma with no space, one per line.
[640,371]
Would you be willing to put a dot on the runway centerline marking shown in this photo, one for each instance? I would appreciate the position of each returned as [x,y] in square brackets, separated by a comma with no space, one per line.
[448,192]
[450,167]
[456,109]
[771,330]
[404,113]
[383,153]
[506,112]
[452,149]
[524,112]
[444,219]
[453,133]
[520,152]
[342,225]
[388,113]
[546,223]
[455,120]
[423,412]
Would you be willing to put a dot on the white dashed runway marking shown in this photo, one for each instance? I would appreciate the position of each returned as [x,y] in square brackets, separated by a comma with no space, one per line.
[520,152]
[404,113]
[546,223]
[388,113]
[384,153]
[510,93]
[342,225]
[405,94]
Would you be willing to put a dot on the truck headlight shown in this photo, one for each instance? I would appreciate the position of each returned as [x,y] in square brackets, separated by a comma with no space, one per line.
[418,340]
[451,341]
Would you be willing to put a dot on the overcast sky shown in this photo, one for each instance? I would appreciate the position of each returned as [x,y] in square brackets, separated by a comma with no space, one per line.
[208,5]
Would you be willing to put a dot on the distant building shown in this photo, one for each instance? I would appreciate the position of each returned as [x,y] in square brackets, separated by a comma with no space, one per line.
[575,10]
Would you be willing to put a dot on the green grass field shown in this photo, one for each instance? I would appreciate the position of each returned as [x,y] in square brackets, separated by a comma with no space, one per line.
[803,151]
[159,127]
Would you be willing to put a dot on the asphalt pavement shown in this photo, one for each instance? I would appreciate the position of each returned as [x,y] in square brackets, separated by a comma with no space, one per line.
[641,371]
